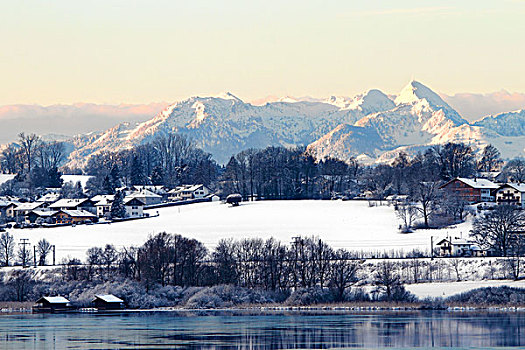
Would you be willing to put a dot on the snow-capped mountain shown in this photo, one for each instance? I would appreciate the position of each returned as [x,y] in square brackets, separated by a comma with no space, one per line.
[369,126]
[507,124]
[225,125]
[420,119]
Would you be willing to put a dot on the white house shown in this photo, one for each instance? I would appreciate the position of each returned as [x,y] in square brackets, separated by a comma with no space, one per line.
[134,207]
[103,203]
[25,208]
[145,196]
[511,193]
[459,247]
[188,192]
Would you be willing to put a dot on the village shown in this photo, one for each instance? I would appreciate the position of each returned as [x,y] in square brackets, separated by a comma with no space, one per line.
[51,210]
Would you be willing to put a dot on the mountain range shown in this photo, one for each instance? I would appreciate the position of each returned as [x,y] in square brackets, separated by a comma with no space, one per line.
[371,126]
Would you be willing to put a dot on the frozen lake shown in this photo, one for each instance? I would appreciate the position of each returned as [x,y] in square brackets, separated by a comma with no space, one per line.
[236,330]
[343,224]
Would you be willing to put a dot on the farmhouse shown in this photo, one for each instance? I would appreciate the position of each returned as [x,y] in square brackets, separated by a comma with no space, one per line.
[107,302]
[459,247]
[65,216]
[512,194]
[52,304]
[472,190]
[134,207]
[74,204]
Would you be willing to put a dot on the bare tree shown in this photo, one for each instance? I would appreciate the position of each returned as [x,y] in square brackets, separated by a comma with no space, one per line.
[24,255]
[426,194]
[43,248]
[407,213]
[343,272]
[455,263]
[499,229]
[386,279]
[7,247]
[28,143]
[490,159]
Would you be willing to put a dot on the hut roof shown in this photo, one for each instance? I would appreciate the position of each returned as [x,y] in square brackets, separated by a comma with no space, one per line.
[54,300]
[108,298]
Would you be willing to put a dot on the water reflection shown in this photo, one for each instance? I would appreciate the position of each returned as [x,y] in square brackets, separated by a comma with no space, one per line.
[240,330]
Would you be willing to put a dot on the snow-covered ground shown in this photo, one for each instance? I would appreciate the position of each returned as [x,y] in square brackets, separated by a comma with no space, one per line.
[446,289]
[343,224]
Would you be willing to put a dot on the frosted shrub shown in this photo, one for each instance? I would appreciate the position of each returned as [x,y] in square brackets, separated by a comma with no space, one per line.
[310,296]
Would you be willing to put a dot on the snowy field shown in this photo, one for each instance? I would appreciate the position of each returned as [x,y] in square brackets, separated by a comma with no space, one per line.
[342,224]
[446,289]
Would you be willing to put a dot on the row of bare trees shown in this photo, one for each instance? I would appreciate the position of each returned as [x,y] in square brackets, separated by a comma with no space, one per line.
[35,161]
[23,255]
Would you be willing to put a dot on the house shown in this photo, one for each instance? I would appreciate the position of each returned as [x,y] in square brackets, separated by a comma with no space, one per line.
[3,208]
[160,190]
[74,204]
[459,247]
[66,216]
[134,207]
[37,216]
[103,204]
[188,192]
[25,208]
[52,304]
[472,190]
[512,194]
[10,209]
[107,302]
[146,196]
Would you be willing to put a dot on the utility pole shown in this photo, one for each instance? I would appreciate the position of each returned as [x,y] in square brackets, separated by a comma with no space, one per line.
[34,255]
[431,247]
[53,246]
[24,242]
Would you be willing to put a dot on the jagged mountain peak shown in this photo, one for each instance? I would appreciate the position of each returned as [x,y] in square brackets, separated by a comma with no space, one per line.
[415,91]
[228,96]
[372,101]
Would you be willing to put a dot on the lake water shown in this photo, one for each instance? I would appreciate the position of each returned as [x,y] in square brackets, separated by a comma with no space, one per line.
[240,330]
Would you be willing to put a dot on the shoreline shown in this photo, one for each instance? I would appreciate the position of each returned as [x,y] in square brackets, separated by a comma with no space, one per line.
[339,309]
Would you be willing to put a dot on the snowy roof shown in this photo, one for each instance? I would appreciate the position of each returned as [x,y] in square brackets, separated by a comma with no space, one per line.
[152,188]
[109,298]
[28,206]
[68,203]
[479,183]
[99,197]
[193,188]
[44,213]
[129,199]
[78,213]
[144,193]
[6,177]
[456,241]
[518,187]
[50,198]
[55,300]
[102,202]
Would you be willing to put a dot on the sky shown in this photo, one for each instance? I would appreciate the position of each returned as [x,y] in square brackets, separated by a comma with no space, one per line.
[135,51]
